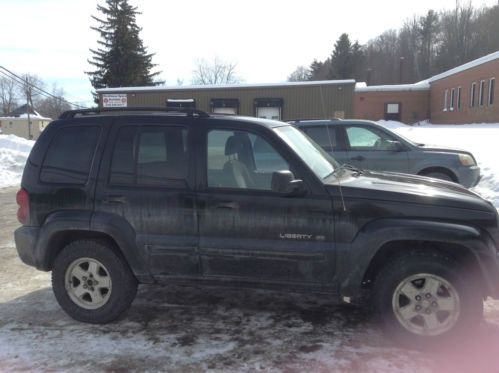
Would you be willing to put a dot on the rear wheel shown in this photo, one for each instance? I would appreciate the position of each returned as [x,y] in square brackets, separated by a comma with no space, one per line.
[424,300]
[92,283]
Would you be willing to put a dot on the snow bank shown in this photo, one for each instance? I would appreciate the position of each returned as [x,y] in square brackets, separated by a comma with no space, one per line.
[480,139]
[14,152]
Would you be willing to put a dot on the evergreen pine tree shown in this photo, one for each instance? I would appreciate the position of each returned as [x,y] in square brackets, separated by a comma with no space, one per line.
[315,69]
[121,60]
[341,67]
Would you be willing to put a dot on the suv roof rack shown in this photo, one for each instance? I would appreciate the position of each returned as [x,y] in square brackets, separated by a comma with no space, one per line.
[311,119]
[96,111]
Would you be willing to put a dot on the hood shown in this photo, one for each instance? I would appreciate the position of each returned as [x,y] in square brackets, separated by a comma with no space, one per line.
[404,188]
[444,149]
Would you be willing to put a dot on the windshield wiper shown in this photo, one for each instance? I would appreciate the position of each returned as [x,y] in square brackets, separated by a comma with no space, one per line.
[347,166]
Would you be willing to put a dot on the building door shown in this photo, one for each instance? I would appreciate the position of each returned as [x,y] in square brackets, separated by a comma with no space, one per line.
[225,110]
[269,113]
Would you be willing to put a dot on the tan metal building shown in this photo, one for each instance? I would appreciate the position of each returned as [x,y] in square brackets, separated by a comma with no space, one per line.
[281,101]
[20,126]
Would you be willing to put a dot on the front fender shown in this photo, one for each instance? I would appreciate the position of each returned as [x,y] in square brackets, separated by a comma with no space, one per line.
[383,231]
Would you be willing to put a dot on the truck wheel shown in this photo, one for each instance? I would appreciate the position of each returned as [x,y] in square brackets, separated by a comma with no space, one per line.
[92,283]
[424,301]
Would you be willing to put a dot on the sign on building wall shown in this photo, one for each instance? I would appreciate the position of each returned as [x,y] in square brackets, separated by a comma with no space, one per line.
[114,100]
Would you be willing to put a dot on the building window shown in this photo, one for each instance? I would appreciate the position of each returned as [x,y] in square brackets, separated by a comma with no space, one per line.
[492,84]
[446,94]
[452,99]
[458,98]
[472,95]
[481,93]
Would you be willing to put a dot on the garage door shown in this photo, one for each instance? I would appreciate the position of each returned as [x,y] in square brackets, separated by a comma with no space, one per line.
[269,112]
[225,110]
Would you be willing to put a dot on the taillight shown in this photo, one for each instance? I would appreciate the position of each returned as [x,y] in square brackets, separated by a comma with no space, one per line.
[22,199]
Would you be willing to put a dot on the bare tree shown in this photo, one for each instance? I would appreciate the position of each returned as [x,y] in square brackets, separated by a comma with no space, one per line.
[53,107]
[215,72]
[28,88]
[300,74]
[8,95]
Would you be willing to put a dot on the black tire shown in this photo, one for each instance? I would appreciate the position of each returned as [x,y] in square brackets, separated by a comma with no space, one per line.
[440,175]
[112,269]
[389,300]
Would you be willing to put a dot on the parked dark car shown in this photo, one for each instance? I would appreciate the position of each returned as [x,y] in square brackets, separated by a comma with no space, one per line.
[371,146]
[113,198]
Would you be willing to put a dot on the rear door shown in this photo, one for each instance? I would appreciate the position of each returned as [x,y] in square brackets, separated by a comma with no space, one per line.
[146,185]
[330,139]
[373,149]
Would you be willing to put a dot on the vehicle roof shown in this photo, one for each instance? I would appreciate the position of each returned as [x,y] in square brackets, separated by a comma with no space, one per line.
[341,122]
[186,115]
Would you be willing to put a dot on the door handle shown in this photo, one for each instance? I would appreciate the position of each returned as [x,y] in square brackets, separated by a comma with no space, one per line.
[115,199]
[227,205]
[359,158]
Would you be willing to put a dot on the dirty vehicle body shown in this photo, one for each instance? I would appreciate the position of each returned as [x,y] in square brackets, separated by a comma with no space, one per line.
[368,145]
[108,201]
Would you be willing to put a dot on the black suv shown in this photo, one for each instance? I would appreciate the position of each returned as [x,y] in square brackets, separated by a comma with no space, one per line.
[113,198]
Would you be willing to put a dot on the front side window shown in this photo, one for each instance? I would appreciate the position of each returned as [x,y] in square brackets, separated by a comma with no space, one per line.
[241,160]
[446,94]
[361,138]
[149,155]
[69,156]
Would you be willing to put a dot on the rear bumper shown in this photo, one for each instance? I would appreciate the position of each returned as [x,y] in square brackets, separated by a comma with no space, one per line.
[26,239]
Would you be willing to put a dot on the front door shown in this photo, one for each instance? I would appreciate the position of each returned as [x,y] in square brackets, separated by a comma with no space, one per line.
[373,149]
[145,188]
[248,233]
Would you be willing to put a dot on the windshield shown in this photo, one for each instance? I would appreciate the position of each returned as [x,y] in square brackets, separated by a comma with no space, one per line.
[312,154]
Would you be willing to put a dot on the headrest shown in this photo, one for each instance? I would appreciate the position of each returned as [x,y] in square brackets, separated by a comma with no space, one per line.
[233,145]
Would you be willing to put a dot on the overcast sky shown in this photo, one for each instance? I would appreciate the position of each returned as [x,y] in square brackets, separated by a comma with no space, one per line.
[267,39]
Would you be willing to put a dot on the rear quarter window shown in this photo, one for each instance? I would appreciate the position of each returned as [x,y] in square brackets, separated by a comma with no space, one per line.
[69,156]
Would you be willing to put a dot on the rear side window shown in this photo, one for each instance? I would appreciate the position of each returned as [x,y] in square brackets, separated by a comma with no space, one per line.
[324,136]
[69,156]
[155,155]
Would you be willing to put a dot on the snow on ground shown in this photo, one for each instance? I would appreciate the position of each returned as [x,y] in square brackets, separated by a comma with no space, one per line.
[480,139]
[14,152]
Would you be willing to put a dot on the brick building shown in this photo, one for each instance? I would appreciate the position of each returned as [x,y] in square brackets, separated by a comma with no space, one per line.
[465,94]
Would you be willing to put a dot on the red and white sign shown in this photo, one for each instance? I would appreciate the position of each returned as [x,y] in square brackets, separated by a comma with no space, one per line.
[114,100]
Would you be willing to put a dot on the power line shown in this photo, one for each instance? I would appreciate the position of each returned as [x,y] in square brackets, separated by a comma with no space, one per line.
[19,80]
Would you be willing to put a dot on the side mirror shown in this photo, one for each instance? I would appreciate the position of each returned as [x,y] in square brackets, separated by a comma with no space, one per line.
[396,146]
[284,182]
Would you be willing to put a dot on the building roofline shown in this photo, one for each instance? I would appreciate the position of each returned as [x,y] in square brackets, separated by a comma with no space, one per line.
[224,86]
[420,86]
[466,66]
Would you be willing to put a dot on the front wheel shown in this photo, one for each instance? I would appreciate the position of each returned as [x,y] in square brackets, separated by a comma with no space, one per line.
[92,283]
[424,300]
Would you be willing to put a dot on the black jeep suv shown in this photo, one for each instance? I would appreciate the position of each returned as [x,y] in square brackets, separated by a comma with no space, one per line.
[113,198]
